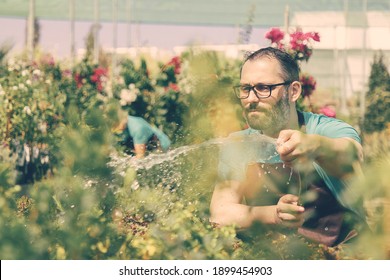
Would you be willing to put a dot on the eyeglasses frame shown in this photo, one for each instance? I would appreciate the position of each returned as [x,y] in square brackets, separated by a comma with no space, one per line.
[237,90]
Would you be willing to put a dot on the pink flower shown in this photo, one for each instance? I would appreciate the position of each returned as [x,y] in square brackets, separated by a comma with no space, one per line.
[173,86]
[47,60]
[67,73]
[328,111]
[275,35]
[299,45]
[315,36]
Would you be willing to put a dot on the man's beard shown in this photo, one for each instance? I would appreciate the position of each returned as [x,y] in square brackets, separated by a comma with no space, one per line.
[271,121]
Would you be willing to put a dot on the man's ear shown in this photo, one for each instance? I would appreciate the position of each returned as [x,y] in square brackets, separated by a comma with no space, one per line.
[295,91]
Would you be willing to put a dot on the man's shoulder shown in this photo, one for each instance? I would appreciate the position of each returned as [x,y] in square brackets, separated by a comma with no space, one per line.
[328,126]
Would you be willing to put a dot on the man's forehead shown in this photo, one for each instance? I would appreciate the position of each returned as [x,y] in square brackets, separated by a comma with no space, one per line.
[261,66]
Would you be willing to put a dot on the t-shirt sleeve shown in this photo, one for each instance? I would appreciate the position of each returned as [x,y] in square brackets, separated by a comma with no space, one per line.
[332,128]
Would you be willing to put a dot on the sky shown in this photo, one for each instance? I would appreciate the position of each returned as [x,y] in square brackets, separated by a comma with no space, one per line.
[55,35]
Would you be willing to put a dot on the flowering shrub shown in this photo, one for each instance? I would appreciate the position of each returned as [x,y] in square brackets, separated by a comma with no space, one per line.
[87,75]
[31,108]
[99,77]
[298,44]
[168,75]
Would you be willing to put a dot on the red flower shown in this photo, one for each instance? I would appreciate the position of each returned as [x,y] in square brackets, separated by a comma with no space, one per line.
[176,63]
[79,80]
[97,77]
[275,35]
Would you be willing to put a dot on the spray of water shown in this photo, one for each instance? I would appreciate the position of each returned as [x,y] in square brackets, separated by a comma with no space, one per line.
[265,149]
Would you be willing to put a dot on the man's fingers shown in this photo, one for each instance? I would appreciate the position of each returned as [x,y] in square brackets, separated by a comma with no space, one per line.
[285,149]
[290,208]
[289,217]
[284,135]
[289,198]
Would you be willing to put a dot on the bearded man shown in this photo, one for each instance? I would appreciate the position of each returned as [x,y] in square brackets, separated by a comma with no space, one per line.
[305,185]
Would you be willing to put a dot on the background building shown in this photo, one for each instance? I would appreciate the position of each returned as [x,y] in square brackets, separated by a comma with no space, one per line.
[352,31]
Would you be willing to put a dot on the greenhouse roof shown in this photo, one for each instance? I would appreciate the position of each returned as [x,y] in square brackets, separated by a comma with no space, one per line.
[264,13]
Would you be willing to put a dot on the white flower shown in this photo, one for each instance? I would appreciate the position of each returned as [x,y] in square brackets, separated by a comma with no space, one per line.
[42,127]
[24,72]
[127,96]
[37,72]
[122,102]
[27,110]
[15,88]
[28,82]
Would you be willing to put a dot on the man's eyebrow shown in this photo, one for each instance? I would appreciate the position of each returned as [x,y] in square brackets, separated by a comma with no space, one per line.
[250,85]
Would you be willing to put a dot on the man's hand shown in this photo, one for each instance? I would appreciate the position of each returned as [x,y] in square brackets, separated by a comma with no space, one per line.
[288,212]
[340,157]
[295,147]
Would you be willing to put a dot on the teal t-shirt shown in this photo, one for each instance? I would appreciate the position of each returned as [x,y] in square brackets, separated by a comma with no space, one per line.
[141,131]
[236,154]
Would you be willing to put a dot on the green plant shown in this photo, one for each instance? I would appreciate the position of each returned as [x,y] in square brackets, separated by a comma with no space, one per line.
[377,116]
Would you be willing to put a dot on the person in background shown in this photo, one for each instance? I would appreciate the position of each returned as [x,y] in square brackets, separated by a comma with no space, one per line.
[139,136]
[306,187]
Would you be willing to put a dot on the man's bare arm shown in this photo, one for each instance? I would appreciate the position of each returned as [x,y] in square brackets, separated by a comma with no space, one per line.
[227,209]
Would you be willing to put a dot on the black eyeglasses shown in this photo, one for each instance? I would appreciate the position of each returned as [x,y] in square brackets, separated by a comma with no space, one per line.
[260,90]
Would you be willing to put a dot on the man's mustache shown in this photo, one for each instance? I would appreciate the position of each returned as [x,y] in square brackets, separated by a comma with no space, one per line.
[254,107]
